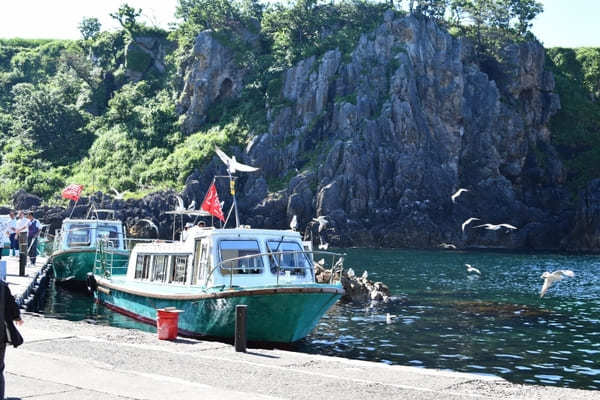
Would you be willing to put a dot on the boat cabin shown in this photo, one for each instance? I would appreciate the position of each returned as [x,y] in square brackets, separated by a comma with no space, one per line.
[211,257]
[85,233]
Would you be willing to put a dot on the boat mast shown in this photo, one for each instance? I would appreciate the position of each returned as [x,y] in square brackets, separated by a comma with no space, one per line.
[232,191]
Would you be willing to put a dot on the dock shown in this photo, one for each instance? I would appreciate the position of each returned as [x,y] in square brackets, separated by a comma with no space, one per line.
[83,360]
[21,286]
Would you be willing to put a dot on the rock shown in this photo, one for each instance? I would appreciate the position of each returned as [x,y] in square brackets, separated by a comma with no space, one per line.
[585,233]
[212,75]
[25,201]
[145,55]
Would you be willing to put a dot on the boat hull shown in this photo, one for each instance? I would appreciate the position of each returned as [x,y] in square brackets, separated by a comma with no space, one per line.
[275,314]
[72,266]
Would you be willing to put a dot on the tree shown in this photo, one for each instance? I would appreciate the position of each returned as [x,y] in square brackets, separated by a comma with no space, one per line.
[126,16]
[524,11]
[89,28]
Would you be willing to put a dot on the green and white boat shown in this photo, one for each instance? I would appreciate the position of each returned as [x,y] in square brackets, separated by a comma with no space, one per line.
[76,245]
[214,270]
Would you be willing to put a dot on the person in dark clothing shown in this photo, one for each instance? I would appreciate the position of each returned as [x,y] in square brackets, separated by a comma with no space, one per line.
[33,231]
[9,312]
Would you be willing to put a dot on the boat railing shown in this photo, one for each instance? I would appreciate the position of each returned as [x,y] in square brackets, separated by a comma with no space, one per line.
[130,243]
[246,265]
[104,262]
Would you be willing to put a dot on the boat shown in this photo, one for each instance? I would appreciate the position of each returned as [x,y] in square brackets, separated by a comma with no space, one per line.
[214,270]
[76,245]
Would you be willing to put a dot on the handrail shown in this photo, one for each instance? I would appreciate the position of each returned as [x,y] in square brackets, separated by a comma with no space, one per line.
[276,253]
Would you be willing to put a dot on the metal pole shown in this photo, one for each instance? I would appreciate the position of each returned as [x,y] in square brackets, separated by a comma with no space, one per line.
[240,328]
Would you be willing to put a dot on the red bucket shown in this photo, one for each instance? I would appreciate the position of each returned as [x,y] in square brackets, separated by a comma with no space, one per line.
[166,323]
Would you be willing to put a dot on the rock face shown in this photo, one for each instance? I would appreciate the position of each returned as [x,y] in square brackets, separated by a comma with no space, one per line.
[25,201]
[145,55]
[211,75]
[380,139]
[585,235]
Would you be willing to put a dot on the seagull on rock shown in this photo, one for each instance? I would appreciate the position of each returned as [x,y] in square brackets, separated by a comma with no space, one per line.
[180,206]
[471,268]
[232,164]
[192,205]
[493,227]
[467,222]
[294,223]
[550,278]
[458,193]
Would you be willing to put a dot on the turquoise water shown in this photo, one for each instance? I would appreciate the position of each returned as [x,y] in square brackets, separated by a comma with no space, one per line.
[493,324]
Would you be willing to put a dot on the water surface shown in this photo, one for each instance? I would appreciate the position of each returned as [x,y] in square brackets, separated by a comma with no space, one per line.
[494,324]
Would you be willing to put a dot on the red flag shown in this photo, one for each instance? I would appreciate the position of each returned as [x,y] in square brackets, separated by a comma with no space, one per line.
[211,203]
[72,192]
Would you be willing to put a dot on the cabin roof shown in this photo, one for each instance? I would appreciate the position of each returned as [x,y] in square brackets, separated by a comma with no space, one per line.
[92,221]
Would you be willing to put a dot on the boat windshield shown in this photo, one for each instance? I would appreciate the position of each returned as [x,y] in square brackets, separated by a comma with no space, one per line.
[110,233]
[296,261]
[232,249]
[79,235]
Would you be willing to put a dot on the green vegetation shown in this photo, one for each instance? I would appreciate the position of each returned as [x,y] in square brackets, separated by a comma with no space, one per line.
[576,127]
[70,113]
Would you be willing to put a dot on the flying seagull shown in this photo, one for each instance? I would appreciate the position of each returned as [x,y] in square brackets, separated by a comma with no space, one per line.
[458,193]
[323,222]
[493,227]
[294,223]
[151,223]
[447,246]
[232,164]
[467,222]
[470,268]
[118,195]
[324,246]
[550,278]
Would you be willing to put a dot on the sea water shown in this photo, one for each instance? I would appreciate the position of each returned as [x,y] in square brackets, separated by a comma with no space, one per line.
[494,323]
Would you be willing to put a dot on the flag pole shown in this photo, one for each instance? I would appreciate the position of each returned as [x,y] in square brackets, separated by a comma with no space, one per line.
[232,190]
[73,209]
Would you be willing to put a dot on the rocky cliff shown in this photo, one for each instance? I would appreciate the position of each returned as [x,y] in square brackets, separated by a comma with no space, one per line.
[379,139]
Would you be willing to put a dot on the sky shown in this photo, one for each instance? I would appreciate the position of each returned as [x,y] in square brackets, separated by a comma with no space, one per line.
[565,23]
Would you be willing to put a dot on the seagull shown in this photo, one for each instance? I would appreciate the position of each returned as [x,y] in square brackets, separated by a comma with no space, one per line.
[324,246]
[493,227]
[180,206]
[294,223]
[192,205]
[323,222]
[339,264]
[388,318]
[350,273]
[467,222]
[458,193]
[470,268]
[151,223]
[118,195]
[550,278]
[321,262]
[232,164]
[447,246]
[365,275]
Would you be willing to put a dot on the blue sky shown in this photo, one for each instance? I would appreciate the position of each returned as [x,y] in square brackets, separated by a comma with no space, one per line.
[566,23]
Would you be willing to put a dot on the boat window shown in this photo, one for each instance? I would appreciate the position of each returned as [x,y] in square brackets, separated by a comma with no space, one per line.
[78,235]
[290,257]
[179,269]
[142,266]
[233,249]
[159,272]
[109,233]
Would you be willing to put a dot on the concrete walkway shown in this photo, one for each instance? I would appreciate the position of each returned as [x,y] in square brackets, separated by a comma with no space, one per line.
[18,284]
[78,360]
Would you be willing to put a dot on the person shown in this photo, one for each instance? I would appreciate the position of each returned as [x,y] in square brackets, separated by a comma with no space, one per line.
[20,228]
[12,234]
[33,231]
[9,312]
[186,231]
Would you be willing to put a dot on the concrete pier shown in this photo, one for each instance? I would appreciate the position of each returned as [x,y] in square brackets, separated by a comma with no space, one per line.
[80,360]
[19,284]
